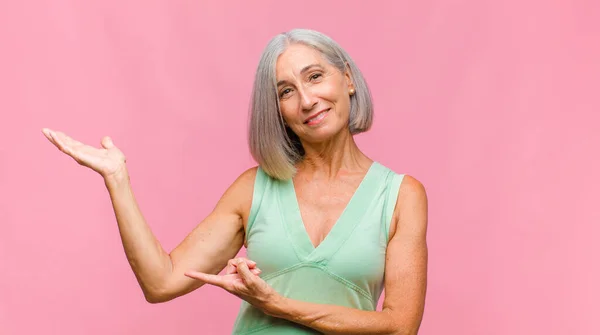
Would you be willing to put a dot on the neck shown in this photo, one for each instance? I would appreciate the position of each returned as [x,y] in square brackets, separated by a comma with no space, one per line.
[338,155]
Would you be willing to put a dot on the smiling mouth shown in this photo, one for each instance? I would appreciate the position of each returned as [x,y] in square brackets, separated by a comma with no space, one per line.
[317,117]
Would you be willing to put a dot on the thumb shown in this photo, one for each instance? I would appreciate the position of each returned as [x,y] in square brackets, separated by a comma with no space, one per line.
[107,143]
[244,270]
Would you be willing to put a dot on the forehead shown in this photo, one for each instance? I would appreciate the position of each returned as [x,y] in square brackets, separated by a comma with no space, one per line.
[296,57]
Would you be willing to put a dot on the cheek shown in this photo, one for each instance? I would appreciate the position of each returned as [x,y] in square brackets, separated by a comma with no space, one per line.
[288,109]
[331,90]
[342,102]
[335,92]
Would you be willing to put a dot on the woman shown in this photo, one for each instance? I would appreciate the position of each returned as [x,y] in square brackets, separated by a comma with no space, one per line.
[321,221]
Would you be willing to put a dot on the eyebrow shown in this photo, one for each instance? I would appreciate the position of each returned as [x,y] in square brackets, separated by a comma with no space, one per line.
[304,69]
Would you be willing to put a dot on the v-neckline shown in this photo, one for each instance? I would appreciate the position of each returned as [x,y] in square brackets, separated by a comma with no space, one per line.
[349,216]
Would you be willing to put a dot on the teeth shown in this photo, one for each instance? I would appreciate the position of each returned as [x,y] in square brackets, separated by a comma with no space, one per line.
[317,117]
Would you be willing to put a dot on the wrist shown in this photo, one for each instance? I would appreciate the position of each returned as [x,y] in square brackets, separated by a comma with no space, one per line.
[117,179]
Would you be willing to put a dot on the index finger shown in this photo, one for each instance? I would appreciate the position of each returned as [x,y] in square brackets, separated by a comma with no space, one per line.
[207,278]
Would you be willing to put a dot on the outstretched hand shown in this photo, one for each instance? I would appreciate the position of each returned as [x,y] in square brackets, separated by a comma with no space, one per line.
[107,160]
[241,279]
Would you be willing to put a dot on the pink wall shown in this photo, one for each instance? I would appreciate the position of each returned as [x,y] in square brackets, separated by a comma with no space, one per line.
[493,105]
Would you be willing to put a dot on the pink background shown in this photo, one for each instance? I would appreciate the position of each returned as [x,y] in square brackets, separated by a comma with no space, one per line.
[493,105]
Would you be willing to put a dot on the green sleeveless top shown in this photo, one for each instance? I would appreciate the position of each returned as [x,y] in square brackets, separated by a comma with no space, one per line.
[346,269]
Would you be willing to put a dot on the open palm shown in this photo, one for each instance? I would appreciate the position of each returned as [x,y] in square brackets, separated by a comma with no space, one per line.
[107,160]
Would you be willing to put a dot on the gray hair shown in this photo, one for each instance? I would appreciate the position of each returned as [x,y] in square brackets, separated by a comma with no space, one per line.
[273,145]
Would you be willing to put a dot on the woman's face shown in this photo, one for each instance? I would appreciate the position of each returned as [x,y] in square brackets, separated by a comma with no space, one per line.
[313,95]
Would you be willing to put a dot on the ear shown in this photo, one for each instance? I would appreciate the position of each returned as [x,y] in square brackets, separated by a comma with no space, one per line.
[348,76]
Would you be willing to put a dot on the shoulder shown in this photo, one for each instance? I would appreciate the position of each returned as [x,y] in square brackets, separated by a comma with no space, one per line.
[238,195]
[247,177]
[244,183]
[412,190]
[410,212]
[409,190]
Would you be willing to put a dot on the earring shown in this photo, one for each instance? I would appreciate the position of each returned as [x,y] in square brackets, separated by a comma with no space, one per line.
[352,91]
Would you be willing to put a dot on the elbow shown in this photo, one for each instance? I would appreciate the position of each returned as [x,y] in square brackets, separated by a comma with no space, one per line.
[157,295]
[155,299]
[400,326]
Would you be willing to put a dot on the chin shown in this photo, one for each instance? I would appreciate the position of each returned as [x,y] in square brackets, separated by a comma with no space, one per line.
[322,134]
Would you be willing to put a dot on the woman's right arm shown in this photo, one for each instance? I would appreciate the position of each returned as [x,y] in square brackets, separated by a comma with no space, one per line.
[217,239]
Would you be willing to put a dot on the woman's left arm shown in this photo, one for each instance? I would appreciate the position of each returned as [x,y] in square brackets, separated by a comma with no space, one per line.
[405,280]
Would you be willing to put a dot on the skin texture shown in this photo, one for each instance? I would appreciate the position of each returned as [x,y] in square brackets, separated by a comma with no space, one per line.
[208,248]
[326,179]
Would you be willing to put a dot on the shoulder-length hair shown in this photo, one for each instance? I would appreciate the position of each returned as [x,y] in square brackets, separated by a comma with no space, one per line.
[273,145]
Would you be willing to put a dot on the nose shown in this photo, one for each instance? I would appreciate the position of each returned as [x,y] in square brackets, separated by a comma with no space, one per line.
[308,99]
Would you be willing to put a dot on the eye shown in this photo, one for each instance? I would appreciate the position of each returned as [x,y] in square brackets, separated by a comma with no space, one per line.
[284,92]
[315,76]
